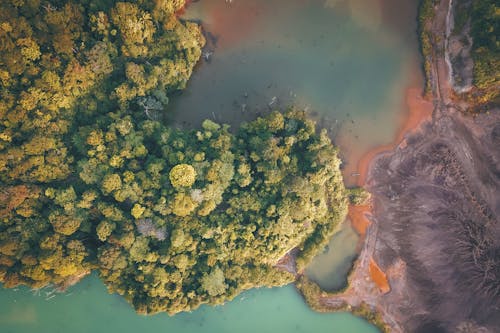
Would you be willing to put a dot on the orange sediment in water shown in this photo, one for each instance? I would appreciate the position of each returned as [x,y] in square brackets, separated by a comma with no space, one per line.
[244,15]
[359,220]
[379,277]
[419,110]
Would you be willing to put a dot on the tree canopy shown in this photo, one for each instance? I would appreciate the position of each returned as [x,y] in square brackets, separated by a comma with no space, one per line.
[485,31]
[92,179]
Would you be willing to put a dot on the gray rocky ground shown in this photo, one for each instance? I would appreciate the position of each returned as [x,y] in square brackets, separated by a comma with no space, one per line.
[437,208]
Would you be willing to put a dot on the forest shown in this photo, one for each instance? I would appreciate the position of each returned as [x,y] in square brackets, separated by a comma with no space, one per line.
[93,179]
[485,30]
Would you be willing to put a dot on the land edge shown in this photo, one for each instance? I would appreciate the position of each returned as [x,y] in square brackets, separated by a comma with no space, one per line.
[361,292]
[341,300]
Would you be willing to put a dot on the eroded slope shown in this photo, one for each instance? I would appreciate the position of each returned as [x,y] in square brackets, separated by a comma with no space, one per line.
[437,207]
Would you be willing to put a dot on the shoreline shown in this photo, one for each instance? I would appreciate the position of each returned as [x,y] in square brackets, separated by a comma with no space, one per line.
[434,193]
[367,281]
[366,277]
[420,111]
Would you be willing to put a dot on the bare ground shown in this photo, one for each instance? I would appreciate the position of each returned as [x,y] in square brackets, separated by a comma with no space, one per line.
[437,207]
[459,46]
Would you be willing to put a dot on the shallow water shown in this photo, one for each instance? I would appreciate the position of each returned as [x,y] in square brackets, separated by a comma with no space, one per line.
[87,307]
[331,267]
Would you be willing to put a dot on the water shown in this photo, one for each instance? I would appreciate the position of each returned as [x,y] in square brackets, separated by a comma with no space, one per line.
[330,268]
[350,62]
[87,307]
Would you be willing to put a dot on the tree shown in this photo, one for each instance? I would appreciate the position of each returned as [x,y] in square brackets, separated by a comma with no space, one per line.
[111,182]
[183,205]
[214,282]
[135,26]
[104,229]
[91,179]
[63,223]
[182,175]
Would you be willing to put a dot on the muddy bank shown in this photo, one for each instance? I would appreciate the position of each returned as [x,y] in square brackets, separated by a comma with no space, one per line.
[431,257]
[437,206]
[436,214]
[419,110]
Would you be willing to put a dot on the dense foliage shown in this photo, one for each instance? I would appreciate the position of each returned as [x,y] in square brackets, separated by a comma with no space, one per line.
[185,218]
[92,180]
[425,17]
[485,31]
[172,219]
[63,62]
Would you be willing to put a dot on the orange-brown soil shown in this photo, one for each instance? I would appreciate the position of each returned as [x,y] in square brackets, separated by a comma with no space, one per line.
[358,217]
[379,277]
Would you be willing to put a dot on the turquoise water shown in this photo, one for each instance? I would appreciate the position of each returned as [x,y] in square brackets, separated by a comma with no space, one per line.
[349,62]
[87,307]
[330,268]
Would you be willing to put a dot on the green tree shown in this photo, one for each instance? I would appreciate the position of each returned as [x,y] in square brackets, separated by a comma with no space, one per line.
[214,282]
[182,175]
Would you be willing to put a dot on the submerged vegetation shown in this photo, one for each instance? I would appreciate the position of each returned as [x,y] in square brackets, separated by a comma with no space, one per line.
[92,180]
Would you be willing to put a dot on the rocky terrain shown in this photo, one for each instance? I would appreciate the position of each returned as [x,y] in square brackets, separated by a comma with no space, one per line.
[437,211]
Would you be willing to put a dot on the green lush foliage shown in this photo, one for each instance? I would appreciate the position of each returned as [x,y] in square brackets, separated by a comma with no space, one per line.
[249,199]
[92,180]
[425,16]
[273,186]
[358,196]
[61,64]
[485,30]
